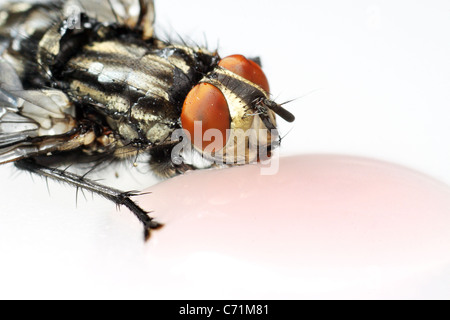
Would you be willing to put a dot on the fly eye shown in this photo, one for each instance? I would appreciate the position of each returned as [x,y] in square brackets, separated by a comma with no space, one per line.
[207,104]
[247,69]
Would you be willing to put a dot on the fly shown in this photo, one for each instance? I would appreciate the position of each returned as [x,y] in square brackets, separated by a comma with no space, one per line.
[82,81]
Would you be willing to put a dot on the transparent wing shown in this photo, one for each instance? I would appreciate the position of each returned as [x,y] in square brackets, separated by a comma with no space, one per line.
[31,121]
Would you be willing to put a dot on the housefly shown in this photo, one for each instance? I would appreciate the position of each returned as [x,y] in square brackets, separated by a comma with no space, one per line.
[82,81]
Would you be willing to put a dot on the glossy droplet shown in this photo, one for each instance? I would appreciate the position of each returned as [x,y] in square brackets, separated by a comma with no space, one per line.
[207,104]
[247,69]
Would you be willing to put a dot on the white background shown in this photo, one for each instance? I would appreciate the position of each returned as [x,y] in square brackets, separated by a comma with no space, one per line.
[370,78]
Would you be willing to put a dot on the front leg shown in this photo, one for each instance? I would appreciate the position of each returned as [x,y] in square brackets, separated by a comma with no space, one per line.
[161,162]
[120,198]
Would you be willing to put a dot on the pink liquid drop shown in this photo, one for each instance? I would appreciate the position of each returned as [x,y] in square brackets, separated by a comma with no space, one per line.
[321,227]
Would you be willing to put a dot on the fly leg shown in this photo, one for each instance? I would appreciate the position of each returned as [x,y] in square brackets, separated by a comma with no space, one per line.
[120,198]
[162,164]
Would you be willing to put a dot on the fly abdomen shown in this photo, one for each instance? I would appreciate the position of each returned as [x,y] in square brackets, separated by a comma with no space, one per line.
[22,26]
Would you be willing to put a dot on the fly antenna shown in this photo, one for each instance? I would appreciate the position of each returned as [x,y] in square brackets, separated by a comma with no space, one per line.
[279,110]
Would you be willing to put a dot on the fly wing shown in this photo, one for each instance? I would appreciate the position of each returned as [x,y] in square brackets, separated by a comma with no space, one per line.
[13,127]
[32,122]
[133,13]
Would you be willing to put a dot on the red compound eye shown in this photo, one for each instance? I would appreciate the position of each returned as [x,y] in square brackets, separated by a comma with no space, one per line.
[245,68]
[207,104]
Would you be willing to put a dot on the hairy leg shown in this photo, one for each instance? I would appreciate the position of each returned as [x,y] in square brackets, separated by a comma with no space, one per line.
[120,198]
